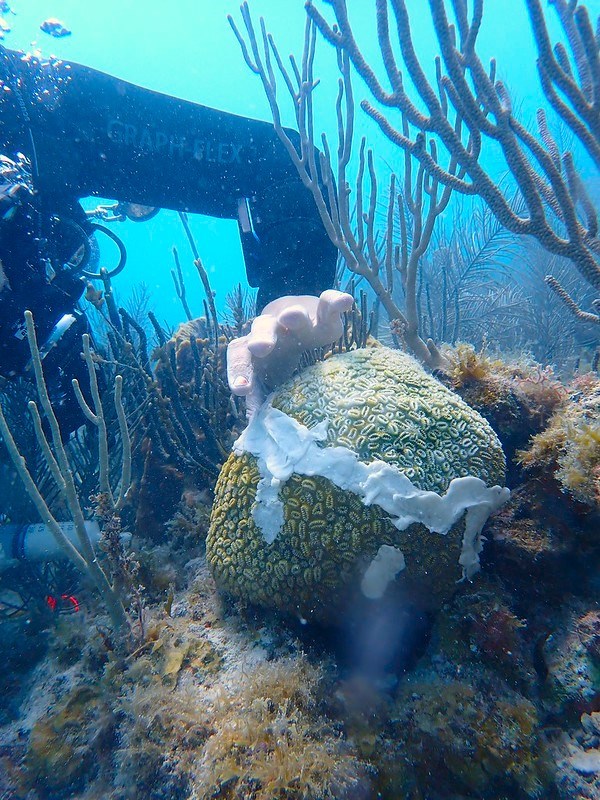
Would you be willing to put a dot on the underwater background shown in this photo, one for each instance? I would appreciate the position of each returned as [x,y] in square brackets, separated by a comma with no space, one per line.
[189,51]
[373,570]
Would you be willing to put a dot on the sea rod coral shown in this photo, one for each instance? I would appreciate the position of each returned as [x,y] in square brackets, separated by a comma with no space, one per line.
[53,450]
[468,108]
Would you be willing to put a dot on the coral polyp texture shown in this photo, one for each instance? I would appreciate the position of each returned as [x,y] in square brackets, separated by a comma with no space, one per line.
[360,472]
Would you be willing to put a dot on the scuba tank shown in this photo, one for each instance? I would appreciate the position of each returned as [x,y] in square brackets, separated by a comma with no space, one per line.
[35,543]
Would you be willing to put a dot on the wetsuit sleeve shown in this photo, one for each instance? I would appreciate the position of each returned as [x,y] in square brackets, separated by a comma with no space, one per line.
[94,134]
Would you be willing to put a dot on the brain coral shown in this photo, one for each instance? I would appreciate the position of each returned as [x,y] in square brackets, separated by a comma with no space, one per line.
[338,484]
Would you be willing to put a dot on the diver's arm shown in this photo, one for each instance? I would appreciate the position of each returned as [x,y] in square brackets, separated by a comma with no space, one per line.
[94,134]
[97,135]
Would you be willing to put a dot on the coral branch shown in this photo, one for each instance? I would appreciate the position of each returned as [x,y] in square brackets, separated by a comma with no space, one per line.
[467,107]
[583,316]
[355,236]
[56,457]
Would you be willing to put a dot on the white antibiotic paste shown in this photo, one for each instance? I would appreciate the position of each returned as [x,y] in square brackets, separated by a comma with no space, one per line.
[388,562]
[283,447]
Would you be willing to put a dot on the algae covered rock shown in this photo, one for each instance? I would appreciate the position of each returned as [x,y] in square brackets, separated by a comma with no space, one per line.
[463,740]
[65,745]
[567,452]
[571,658]
[359,472]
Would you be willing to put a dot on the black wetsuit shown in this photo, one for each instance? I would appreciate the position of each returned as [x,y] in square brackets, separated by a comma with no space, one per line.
[87,133]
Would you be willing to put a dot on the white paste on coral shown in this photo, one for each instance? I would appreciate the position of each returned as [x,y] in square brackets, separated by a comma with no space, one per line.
[382,570]
[283,447]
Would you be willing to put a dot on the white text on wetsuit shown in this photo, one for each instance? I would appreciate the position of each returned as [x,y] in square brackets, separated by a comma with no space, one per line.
[160,143]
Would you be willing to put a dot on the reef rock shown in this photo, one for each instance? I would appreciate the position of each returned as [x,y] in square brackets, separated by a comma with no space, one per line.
[360,473]
[571,655]
[566,455]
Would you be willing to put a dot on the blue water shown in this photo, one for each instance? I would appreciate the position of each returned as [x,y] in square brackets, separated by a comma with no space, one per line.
[188,50]
[464,701]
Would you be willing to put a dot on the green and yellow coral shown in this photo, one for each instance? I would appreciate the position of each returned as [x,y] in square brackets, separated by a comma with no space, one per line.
[380,405]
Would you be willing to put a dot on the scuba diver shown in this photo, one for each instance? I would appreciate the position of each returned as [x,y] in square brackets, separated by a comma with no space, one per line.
[68,132]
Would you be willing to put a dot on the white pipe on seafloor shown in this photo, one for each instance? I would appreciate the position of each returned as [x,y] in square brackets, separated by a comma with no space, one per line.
[35,543]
